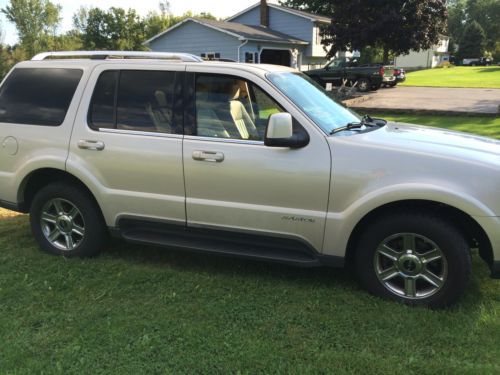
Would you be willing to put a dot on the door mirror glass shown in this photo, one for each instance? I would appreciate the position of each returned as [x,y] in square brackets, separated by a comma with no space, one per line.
[279,132]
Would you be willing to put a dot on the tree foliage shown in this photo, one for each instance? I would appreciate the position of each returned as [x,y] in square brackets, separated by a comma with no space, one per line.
[472,44]
[396,26]
[36,22]
[462,13]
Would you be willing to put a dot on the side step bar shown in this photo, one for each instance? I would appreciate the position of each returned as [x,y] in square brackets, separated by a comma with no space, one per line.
[240,245]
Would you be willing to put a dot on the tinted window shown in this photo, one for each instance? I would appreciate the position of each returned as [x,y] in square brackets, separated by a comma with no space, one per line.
[229,107]
[145,101]
[102,108]
[38,96]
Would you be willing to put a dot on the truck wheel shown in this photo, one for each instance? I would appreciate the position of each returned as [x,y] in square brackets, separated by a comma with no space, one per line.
[363,84]
[66,221]
[417,259]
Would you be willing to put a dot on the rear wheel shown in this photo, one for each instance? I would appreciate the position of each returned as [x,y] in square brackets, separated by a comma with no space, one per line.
[417,259]
[65,220]
[363,84]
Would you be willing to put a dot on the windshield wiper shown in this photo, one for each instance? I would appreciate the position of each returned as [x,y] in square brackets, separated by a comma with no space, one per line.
[366,121]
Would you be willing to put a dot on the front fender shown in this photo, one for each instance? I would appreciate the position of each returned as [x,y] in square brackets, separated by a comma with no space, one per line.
[340,225]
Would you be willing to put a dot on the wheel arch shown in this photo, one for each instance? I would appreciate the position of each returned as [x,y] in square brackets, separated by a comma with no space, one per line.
[39,178]
[473,232]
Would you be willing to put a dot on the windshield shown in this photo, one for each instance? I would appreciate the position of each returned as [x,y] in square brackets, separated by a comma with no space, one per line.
[313,100]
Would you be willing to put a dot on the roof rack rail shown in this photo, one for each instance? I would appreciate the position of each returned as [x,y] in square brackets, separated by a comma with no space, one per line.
[103,55]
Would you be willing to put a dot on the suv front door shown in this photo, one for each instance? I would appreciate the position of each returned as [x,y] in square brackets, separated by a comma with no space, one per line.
[233,181]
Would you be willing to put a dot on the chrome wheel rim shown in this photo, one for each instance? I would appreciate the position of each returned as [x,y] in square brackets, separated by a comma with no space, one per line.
[62,224]
[410,265]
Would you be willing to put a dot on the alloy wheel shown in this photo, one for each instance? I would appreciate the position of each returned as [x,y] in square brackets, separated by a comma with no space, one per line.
[410,265]
[62,224]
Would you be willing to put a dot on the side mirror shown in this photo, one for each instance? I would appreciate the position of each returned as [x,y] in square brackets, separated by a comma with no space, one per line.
[279,132]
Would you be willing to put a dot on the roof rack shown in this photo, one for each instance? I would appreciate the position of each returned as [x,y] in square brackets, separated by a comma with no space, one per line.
[103,55]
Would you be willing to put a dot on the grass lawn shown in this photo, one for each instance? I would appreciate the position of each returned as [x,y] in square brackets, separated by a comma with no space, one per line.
[145,310]
[461,76]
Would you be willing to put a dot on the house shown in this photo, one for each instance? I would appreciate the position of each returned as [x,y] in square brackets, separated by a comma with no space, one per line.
[262,33]
[425,58]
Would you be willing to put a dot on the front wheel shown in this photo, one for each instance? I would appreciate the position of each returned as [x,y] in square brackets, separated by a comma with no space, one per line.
[417,259]
[65,220]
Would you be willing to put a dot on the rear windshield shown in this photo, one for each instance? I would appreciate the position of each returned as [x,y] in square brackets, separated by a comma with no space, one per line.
[38,96]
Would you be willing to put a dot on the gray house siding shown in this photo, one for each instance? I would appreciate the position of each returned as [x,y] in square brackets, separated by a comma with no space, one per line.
[283,22]
[252,17]
[196,39]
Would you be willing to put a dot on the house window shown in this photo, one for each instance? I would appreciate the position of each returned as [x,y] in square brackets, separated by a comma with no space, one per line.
[210,55]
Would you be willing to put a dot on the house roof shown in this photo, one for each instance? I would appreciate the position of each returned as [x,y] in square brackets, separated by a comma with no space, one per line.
[240,31]
[310,16]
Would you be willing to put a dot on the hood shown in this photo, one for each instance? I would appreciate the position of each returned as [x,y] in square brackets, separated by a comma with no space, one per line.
[438,142]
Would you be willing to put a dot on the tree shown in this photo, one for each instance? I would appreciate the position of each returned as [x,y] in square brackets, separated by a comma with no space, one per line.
[486,12]
[114,29]
[396,26]
[36,22]
[473,41]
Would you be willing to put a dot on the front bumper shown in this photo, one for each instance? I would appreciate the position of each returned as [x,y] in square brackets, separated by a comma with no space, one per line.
[401,78]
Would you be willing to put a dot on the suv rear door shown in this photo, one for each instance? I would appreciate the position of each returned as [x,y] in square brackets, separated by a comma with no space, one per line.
[127,142]
[233,181]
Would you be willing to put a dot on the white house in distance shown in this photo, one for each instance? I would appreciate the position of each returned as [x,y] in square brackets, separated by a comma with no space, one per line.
[262,33]
[425,58]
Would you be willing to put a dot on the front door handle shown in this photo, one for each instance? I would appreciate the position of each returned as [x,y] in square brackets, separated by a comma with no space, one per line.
[91,145]
[212,156]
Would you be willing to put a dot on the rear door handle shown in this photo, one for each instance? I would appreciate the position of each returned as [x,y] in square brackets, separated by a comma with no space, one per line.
[91,145]
[212,156]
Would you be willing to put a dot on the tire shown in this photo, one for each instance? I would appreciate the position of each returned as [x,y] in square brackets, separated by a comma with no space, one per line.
[363,84]
[73,219]
[420,276]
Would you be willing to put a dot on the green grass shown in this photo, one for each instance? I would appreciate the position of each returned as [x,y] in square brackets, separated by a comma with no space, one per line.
[469,77]
[140,310]
[486,126]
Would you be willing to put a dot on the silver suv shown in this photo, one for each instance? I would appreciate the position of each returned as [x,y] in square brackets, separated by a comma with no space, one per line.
[245,160]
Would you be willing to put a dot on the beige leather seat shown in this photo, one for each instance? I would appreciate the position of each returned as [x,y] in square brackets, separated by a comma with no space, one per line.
[241,118]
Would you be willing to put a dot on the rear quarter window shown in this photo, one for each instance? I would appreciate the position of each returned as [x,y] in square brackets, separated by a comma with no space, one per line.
[38,96]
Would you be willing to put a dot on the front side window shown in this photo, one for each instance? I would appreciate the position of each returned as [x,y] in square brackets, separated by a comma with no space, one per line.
[230,107]
[38,96]
[134,100]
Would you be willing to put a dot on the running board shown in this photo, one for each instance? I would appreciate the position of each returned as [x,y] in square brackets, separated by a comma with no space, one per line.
[240,245]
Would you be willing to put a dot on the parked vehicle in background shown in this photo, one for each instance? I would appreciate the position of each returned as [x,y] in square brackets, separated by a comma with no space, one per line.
[245,160]
[482,61]
[400,75]
[389,79]
[337,70]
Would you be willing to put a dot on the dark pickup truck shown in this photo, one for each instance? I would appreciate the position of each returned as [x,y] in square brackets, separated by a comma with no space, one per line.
[339,71]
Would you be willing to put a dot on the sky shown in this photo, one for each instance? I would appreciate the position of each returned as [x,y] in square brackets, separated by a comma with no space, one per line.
[219,8]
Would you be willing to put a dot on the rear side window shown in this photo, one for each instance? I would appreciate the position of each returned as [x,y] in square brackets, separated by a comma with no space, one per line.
[38,96]
[134,100]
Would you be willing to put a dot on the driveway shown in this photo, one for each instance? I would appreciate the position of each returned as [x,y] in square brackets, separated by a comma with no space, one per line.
[481,101]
